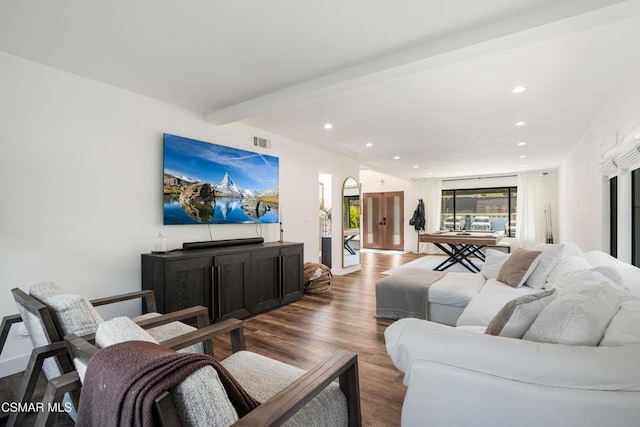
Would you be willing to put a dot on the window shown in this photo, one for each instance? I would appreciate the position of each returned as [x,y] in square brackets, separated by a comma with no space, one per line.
[635,217]
[481,209]
[351,212]
[613,216]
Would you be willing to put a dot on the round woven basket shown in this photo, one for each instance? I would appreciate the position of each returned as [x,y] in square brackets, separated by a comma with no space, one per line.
[317,278]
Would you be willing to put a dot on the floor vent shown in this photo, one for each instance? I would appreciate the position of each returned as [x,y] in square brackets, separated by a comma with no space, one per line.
[262,142]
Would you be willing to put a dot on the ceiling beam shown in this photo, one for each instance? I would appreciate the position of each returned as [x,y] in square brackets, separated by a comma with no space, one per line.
[540,24]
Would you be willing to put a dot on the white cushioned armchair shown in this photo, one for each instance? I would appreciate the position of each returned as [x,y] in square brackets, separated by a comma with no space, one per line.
[288,394]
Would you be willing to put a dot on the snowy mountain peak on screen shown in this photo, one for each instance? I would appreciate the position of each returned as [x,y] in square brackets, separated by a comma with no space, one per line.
[228,187]
[270,192]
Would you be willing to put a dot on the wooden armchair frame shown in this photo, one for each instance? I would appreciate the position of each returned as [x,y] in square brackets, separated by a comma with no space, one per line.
[58,348]
[342,365]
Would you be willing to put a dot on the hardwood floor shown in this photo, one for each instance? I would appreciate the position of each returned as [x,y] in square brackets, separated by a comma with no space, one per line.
[307,331]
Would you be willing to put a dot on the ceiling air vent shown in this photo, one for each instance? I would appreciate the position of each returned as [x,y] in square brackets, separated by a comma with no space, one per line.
[262,142]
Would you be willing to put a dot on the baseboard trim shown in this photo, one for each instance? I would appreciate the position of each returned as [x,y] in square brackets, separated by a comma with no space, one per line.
[13,365]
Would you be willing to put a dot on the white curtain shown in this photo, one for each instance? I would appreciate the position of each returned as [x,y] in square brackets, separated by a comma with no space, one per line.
[530,207]
[432,198]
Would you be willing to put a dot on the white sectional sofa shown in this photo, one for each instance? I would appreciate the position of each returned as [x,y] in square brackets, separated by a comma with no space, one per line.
[577,363]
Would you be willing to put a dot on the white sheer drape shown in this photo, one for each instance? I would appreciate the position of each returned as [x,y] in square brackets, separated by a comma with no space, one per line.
[432,198]
[530,206]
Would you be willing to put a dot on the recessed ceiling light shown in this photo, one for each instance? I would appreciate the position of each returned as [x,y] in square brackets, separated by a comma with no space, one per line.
[430,173]
[523,156]
[415,166]
[522,166]
[368,144]
[520,123]
[328,126]
[519,89]
[637,136]
[396,157]
[521,143]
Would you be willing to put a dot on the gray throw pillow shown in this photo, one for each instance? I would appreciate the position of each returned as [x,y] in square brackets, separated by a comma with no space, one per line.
[518,267]
[517,315]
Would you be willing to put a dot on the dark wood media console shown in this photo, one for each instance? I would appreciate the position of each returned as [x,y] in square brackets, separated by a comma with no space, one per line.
[232,281]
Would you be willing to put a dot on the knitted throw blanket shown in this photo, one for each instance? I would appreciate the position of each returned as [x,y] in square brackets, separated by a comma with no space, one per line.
[122,381]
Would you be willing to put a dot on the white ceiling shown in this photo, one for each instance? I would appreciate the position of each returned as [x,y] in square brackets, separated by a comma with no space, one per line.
[427,81]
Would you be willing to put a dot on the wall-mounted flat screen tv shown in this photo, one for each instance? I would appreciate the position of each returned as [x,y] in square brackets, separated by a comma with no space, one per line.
[208,183]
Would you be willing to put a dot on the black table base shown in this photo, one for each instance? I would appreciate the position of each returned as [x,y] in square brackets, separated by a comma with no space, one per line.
[459,254]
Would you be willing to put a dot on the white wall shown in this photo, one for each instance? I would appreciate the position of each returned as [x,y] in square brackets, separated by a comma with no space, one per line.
[81,167]
[583,192]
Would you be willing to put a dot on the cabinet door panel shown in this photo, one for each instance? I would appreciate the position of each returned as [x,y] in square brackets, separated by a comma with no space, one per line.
[231,280]
[188,284]
[292,273]
[265,279]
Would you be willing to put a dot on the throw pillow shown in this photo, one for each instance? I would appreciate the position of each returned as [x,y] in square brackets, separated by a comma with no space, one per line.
[571,249]
[120,329]
[518,267]
[551,256]
[623,328]
[74,314]
[566,268]
[583,278]
[492,263]
[579,317]
[515,318]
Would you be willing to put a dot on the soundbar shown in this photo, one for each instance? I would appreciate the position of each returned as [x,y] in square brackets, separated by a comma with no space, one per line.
[186,246]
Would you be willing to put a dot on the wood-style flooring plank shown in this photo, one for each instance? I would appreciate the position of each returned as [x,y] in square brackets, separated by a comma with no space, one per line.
[307,331]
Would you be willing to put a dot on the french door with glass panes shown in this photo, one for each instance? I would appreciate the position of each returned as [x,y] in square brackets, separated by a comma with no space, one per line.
[383,220]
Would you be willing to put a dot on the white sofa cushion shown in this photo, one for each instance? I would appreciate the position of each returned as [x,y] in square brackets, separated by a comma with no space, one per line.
[577,367]
[488,302]
[630,274]
[455,289]
[611,273]
[493,263]
[518,267]
[515,318]
[578,317]
[624,327]
[549,259]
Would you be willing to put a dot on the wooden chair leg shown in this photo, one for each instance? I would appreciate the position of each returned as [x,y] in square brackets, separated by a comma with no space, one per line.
[350,386]
[202,321]
[237,339]
[54,395]
[31,375]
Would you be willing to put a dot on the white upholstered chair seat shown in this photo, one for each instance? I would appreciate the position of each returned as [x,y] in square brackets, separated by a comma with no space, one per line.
[263,378]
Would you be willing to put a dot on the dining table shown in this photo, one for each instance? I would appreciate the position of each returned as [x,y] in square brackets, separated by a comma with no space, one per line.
[461,246]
